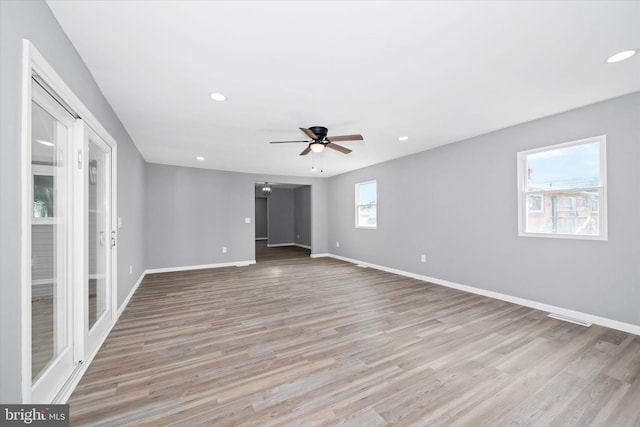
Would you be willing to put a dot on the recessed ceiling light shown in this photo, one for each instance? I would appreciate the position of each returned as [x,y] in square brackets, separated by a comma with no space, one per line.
[403,138]
[47,143]
[199,158]
[218,97]
[621,56]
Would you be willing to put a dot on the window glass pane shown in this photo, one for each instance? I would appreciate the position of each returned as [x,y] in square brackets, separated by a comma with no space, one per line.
[366,204]
[98,231]
[367,216]
[367,193]
[43,186]
[576,166]
[565,212]
[49,244]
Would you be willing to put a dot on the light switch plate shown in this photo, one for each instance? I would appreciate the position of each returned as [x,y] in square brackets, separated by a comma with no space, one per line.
[247,220]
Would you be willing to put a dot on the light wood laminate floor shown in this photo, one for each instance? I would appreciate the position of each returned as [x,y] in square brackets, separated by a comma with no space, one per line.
[323,342]
[265,253]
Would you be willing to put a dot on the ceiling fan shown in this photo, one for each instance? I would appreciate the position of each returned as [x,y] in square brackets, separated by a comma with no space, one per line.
[320,140]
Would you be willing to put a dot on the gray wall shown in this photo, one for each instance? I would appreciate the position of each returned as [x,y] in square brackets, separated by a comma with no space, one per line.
[280,206]
[302,215]
[261,217]
[458,205]
[34,21]
[192,213]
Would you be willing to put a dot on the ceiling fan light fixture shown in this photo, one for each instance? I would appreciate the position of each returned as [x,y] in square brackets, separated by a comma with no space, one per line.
[316,147]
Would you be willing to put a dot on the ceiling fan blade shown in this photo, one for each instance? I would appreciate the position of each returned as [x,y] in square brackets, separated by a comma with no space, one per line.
[309,133]
[305,151]
[345,138]
[285,142]
[339,148]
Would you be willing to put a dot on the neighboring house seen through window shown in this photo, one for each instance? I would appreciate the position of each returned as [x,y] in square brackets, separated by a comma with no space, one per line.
[562,190]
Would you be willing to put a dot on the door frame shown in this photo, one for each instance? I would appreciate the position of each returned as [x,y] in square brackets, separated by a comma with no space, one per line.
[34,62]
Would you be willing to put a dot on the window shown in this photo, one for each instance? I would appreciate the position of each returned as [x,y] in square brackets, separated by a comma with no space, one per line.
[366,204]
[562,190]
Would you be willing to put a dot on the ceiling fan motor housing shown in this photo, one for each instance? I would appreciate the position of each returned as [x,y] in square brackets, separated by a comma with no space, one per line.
[320,131]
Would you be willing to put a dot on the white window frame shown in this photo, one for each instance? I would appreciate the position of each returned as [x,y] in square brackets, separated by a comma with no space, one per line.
[357,205]
[523,193]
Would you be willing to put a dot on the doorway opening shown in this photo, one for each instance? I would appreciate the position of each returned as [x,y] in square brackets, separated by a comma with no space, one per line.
[282,221]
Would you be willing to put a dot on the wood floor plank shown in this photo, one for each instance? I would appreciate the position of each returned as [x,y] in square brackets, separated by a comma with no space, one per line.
[301,341]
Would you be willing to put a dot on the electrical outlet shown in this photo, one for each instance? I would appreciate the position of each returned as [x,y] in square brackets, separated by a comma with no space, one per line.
[423,258]
[224,249]
[131,269]
[337,244]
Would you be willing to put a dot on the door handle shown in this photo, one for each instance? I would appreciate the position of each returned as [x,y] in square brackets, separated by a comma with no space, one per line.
[102,238]
[113,238]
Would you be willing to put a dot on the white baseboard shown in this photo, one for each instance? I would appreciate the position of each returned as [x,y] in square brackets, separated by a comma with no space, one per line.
[200,267]
[278,245]
[590,318]
[133,290]
[262,238]
[320,255]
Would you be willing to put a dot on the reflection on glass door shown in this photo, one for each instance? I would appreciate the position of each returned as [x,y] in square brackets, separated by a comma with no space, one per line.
[51,302]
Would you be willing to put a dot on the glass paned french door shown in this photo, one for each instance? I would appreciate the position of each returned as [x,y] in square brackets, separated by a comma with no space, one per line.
[51,237]
[97,212]
[70,228]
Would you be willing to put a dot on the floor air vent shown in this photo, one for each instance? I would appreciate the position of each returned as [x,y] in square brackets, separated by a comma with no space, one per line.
[570,319]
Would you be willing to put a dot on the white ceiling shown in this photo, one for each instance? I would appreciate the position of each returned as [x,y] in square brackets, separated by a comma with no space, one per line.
[436,71]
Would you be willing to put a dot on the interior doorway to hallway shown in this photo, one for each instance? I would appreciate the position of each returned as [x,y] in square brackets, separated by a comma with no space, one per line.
[282,221]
